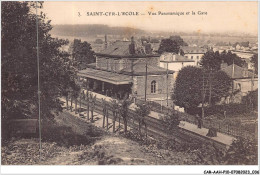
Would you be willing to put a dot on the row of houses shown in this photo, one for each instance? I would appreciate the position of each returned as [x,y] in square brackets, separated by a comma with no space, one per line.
[127,68]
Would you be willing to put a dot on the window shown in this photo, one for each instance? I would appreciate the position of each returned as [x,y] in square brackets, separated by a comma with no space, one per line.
[191,57]
[153,87]
[198,57]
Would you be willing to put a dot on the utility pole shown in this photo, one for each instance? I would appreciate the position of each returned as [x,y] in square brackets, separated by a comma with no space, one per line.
[210,86]
[203,96]
[145,90]
[39,92]
[167,82]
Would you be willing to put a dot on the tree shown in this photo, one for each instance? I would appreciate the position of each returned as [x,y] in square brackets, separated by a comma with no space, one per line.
[230,58]
[179,40]
[142,111]
[189,85]
[242,152]
[82,54]
[211,60]
[254,61]
[124,104]
[171,121]
[221,84]
[168,45]
[19,63]
[187,90]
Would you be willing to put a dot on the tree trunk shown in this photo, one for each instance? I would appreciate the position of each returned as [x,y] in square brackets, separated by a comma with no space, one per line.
[67,102]
[104,116]
[71,104]
[145,130]
[80,102]
[139,128]
[107,118]
[88,109]
[92,114]
[125,125]
[76,103]
[114,121]
[119,123]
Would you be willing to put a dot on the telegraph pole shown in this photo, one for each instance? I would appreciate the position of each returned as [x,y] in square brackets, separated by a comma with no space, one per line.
[39,92]
[203,95]
[167,82]
[145,90]
[210,86]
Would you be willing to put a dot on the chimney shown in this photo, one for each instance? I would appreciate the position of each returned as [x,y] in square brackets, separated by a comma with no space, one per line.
[105,41]
[132,46]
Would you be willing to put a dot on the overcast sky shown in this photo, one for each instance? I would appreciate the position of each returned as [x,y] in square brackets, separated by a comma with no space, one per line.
[221,16]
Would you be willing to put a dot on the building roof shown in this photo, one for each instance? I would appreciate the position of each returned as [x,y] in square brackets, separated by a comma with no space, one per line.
[193,50]
[106,76]
[120,49]
[139,68]
[239,72]
[173,57]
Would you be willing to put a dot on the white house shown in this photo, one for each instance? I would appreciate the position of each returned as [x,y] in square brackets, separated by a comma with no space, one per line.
[174,62]
[194,53]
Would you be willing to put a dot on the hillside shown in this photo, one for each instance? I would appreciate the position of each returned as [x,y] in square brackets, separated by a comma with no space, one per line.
[93,30]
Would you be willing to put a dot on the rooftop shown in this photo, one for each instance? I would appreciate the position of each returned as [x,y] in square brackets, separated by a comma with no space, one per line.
[239,72]
[172,57]
[189,49]
[120,49]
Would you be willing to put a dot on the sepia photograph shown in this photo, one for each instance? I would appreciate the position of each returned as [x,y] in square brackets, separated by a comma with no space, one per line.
[130,83]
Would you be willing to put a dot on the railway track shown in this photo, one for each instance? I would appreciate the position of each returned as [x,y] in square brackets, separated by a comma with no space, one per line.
[157,129]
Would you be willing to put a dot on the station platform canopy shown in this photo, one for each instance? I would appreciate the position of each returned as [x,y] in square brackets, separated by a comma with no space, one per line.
[105,76]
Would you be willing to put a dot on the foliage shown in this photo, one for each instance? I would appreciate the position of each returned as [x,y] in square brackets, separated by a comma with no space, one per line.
[251,99]
[172,121]
[211,60]
[82,53]
[242,152]
[142,110]
[19,63]
[123,111]
[189,85]
[168,45]
[221,84]
[229,58]
[179,40]
[187,90]
[254,61]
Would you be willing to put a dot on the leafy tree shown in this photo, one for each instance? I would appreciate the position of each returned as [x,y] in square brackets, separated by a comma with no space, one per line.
[211,60]
[168,45]
[19,63]
[187,90]
[142,111]
[230,58]
[254,61]
[251,99]
[221,84]
[242,152]
[124,104]
[179,40]
[82,53]
[189,85]
[172,121]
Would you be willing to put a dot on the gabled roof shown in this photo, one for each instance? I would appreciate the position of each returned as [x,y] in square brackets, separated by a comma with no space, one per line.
[189,49]
[173,57]
[139,68]
[120,49]
[106,76]
[239,72]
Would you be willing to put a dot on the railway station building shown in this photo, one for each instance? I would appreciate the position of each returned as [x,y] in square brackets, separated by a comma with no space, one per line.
[126,68]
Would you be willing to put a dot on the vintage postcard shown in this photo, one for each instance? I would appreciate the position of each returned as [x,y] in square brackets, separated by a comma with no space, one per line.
[130,83]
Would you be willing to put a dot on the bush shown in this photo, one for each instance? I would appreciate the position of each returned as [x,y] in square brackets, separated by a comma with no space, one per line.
[242,152]
[172,121]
